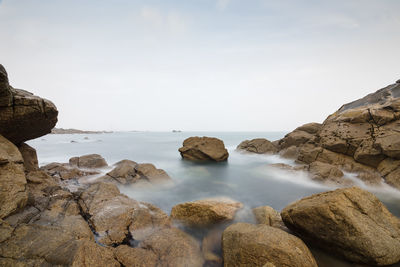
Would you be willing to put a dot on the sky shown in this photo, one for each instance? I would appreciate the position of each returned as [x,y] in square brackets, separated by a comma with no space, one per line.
[199,65]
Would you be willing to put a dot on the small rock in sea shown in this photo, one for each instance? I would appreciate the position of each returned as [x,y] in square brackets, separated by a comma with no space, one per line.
[398,81]
[73,141]
[86,138]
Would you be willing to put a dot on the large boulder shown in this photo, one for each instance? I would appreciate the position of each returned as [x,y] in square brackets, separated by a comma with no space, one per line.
[117,218]
[268,216]
[204,149]
[13,195]
[246,244]
[258,145]
[174,247]
[206,212]
[300,135]
[88,161]
[350,222]
[23,116]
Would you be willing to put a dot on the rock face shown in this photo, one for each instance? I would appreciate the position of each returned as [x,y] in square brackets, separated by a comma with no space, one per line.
[351,222]
[204,149]
[259,146]
[206,212]
[30,158]
[245,244]
[13,195]
[88,161]
[23,116]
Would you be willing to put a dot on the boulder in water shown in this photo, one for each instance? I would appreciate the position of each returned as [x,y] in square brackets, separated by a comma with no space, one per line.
[204,149]
[88,161]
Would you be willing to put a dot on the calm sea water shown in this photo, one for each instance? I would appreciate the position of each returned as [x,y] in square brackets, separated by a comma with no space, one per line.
[244,177]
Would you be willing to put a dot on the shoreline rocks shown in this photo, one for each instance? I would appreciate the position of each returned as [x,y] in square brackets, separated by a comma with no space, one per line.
[204,149]
[258,145]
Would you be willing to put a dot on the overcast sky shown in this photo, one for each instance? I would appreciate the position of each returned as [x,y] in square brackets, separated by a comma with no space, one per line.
[210,65]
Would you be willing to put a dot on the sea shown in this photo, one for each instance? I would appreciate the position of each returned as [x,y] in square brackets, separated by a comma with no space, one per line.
[245,177]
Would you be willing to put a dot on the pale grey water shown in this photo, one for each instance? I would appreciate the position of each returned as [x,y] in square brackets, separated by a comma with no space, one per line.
[243,177]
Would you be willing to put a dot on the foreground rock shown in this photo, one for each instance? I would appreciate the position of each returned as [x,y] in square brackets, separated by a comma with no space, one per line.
[117,218]
[204,149]
[259,146]
[23,116]
[350,222]
[65,171]
[206,212]
[30,158]
[245,244]
[13,195]
[174,247]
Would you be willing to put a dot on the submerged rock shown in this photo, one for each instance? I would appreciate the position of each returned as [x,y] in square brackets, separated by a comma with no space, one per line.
[246,244]
[206,212]
[204,149]
[23,116]
[350,222]
[259,146]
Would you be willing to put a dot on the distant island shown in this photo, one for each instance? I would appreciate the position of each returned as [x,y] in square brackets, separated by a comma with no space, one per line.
[176,131]
[75,131]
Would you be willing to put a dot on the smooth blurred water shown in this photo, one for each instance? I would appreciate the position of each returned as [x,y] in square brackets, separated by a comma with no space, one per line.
[244,177]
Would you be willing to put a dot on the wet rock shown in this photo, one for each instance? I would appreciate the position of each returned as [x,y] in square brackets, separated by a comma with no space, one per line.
[174,247]
[393,178]
[29,156]
[259,146]
[268,216]
[204,149]
[206,212]
[291,152]
[124,172]
[350,222]
[137,257]
[23,116]
[117,218]
[13,195]
[88,161]
[246,244]
[325,172]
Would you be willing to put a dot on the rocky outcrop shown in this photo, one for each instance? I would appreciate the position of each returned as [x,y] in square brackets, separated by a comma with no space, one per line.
[258,146]
[65,171]
[117,218]
[23,116]
[204,149]
[350,222]
[206,212]
[13,195]
[245,244]
[362,137]
[88,161]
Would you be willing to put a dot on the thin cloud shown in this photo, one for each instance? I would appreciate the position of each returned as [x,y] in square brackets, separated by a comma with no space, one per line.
[173,22]
[222,4]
